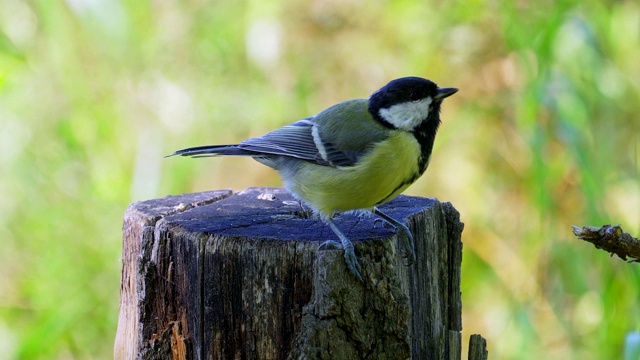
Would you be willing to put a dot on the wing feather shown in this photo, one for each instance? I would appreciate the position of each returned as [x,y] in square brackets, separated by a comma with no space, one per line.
[350,127]
[293,140]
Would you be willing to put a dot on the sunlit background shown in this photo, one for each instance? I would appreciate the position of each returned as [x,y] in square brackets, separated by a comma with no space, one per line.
[543,134]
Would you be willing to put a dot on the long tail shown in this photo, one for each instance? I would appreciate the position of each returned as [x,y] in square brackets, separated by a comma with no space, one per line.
[214,150]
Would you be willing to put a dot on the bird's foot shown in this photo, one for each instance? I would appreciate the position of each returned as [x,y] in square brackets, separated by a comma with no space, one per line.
[408,253]
[384,223]
[403,233]
[349,255]
[330,245]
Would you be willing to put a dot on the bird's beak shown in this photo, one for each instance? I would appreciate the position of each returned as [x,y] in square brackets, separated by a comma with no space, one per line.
[445,92]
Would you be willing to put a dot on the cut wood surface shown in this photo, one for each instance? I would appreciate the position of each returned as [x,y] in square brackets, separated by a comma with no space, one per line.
[218,275]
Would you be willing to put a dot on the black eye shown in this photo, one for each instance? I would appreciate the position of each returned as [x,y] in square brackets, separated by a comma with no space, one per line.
[414,96]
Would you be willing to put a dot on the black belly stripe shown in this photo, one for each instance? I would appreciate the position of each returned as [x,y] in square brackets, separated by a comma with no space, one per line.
[408,181]
[425,134]
[426,140]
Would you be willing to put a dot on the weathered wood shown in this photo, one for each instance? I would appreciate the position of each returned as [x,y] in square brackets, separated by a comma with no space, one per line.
[137,232]
[455,345]
[211,276]
[478,348]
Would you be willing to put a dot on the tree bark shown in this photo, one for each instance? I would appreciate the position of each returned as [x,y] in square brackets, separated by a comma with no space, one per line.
[217,275]
[611,239]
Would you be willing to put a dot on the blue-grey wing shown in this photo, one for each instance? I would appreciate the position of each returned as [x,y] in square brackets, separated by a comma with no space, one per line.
[295,140]
[299,140]
[339,136]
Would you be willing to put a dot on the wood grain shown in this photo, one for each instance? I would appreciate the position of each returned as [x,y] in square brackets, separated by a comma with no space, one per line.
[221,276]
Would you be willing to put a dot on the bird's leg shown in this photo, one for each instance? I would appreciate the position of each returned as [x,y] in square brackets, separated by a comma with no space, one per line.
[306,213]
[347,245]
[403,233]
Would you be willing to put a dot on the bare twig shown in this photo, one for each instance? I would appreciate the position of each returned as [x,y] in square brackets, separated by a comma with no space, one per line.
[611,239]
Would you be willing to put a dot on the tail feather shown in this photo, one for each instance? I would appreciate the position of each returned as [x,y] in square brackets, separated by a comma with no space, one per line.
[213,150]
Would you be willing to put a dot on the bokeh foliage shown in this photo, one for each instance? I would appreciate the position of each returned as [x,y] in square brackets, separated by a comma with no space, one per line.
[543,134]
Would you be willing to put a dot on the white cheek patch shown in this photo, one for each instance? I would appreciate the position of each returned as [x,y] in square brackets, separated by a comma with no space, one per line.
[407,116]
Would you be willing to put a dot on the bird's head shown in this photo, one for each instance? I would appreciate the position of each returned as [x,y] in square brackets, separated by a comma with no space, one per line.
[407,102]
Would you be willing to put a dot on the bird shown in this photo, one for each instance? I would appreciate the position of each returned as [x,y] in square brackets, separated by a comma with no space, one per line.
[353,156]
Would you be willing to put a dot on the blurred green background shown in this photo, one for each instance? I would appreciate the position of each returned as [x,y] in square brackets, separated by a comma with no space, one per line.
[543,134]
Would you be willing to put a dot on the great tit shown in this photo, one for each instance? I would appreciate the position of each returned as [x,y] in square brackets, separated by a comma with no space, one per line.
[355,155]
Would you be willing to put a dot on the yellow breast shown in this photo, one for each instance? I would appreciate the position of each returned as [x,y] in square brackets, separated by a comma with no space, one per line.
[381,175]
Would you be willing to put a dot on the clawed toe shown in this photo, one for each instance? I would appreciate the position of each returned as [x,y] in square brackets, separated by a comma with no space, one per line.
[349,256]
[377,220]
[330,245]
[403,233]
[346,244]
[410,257]
[407,243]
[352,262]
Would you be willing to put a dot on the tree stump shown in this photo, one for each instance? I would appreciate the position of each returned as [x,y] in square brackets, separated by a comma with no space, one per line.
[217,275]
